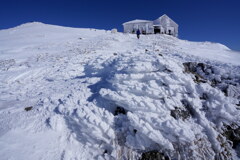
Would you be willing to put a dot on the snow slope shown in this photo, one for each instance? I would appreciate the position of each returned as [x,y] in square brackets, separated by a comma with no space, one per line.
[77,81]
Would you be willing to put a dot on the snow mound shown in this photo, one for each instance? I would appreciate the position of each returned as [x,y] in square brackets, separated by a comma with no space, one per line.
[151,88]
[69,93]
[30,24]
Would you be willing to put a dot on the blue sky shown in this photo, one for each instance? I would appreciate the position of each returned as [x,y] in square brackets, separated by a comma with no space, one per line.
[199,20]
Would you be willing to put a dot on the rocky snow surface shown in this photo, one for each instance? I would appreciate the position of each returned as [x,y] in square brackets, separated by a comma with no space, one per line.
[87,94]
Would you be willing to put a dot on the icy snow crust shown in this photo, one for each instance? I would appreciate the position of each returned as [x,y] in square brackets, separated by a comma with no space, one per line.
[76,78]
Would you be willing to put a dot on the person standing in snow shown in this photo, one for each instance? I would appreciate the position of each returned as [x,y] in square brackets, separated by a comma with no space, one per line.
[138,33]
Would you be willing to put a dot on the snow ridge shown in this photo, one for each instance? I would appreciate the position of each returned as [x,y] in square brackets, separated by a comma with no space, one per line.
[98,95]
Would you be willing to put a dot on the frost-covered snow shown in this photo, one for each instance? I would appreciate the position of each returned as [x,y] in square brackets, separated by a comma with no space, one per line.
[137,21]
[179,97]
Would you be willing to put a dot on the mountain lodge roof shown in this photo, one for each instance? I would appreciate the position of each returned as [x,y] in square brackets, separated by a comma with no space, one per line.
[137,21]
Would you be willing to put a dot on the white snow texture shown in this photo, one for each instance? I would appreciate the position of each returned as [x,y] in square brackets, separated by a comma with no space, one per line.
[61,89]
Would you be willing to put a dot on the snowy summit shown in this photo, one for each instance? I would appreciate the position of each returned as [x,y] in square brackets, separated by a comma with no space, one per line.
[86,94]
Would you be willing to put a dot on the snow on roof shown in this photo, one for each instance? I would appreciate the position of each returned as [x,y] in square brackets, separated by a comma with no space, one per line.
[164,19]
[137,21]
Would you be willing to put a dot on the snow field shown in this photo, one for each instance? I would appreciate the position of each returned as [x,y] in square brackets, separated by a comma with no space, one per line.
[76,78]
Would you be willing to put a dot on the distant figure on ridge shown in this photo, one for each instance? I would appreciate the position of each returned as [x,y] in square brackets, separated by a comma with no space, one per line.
[138,33]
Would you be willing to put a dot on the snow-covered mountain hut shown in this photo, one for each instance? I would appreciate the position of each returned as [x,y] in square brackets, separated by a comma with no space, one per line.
[145,26]
[165,25]
[162,25]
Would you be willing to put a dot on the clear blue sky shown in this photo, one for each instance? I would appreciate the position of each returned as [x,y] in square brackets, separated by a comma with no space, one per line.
[199,20]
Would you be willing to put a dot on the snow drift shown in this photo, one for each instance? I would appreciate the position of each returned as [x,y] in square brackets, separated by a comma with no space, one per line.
[69,93]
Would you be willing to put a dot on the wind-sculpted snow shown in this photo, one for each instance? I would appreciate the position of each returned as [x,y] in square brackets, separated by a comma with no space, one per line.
[150,87]
[88,94]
